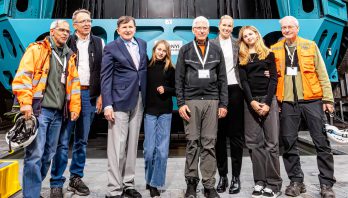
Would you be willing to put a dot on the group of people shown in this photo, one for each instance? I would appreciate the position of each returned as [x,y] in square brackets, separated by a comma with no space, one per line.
[227,89]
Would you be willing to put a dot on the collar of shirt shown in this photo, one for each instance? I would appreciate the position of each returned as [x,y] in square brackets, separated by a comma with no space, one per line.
[133,41]
[83,40]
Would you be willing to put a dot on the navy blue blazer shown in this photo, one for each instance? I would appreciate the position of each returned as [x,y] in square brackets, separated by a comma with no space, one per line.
[120,80]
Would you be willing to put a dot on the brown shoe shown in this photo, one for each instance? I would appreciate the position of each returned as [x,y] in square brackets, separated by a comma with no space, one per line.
[295,189]
[326,191]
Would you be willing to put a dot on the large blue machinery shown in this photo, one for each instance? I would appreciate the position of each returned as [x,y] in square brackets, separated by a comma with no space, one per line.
[25,21]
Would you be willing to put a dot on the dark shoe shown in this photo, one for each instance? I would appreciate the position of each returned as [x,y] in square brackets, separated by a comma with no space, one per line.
[326,191]
[132,193]
[56,193]
[295,189]
[257,192]
[222,185]
[77,186]
[211,193]
[269,193]
[147,186]
[154,191]
[235,185]
[191,191]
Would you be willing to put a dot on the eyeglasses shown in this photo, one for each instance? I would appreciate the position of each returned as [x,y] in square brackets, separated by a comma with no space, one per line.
[84,21]
[290,27]
[201,28]
[63,30]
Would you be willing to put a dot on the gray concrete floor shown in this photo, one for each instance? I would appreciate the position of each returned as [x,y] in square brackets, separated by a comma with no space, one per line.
[96,178]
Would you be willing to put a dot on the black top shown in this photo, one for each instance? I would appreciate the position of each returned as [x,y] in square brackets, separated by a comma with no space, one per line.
[156,103]
[254,81]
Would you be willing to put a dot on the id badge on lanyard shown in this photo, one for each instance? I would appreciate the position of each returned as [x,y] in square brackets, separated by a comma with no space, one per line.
[290,70]
[202,73]
[62,78]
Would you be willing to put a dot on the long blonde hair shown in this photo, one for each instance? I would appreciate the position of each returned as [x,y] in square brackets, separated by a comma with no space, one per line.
[168,60]
[261,49]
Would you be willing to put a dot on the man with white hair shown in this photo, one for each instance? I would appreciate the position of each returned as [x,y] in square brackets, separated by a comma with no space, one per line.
[88,49]
[201,86]
[304,92]
[46,85]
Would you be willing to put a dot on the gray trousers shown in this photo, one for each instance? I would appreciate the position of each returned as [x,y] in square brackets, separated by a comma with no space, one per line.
[262,140]
[122,148]
[201,131]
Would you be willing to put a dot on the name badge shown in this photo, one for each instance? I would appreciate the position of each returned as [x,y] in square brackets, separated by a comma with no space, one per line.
[62,79]
[291,71]
[203,73]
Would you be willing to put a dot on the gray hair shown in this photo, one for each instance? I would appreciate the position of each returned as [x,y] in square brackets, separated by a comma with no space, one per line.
[291,18]
[200,19]
[78,12]
[56,22]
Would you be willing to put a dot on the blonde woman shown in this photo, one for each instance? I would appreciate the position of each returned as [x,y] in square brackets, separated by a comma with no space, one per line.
[261,111]
[158,116]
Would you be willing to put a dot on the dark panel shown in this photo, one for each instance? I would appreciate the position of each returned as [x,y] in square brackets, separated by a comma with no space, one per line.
[114,9]
[177,7]
[160,9]
[206,8]
[191,13]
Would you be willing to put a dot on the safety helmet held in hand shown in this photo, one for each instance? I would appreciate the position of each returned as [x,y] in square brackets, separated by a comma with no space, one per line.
[23,132]
[336,135]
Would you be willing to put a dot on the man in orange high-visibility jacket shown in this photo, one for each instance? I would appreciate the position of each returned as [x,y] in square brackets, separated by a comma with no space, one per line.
[304,91]
[47,85]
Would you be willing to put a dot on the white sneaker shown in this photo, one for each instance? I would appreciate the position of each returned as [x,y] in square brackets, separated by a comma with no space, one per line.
[269,193]
[257,193]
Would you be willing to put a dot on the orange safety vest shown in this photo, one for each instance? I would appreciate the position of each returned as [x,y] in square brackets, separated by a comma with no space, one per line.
[306,53]
[31,77]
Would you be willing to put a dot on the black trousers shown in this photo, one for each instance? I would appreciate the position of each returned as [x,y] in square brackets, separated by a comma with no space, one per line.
[231,127]
[313,115]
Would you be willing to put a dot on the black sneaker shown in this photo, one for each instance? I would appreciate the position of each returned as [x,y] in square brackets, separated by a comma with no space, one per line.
[267,192]
[211,193]
[56,193]
[257,193]
[132,193]
[77,186]
[154,192]
[295,189]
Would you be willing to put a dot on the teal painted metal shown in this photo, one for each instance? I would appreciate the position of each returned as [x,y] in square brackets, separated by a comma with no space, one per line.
[31,9]
[335,9]
[11,51]
[4,6]
[297,9]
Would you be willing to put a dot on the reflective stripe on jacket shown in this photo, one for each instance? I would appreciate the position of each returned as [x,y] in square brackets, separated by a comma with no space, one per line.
[31,77]
[306,50]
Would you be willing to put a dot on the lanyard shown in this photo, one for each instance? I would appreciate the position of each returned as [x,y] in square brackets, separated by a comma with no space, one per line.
[60,61]
[199,56]
[291,56]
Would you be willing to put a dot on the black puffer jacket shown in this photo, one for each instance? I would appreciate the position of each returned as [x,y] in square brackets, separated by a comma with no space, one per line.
[189,86]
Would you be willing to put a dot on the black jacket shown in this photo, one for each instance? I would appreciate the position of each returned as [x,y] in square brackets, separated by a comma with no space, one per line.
[189,86]
[95,51]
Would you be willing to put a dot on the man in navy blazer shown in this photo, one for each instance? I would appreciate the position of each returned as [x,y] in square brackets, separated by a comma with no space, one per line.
[123,86]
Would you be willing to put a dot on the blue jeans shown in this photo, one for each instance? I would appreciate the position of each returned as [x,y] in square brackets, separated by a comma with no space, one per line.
[39,153]
[156,146]
[82,124]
